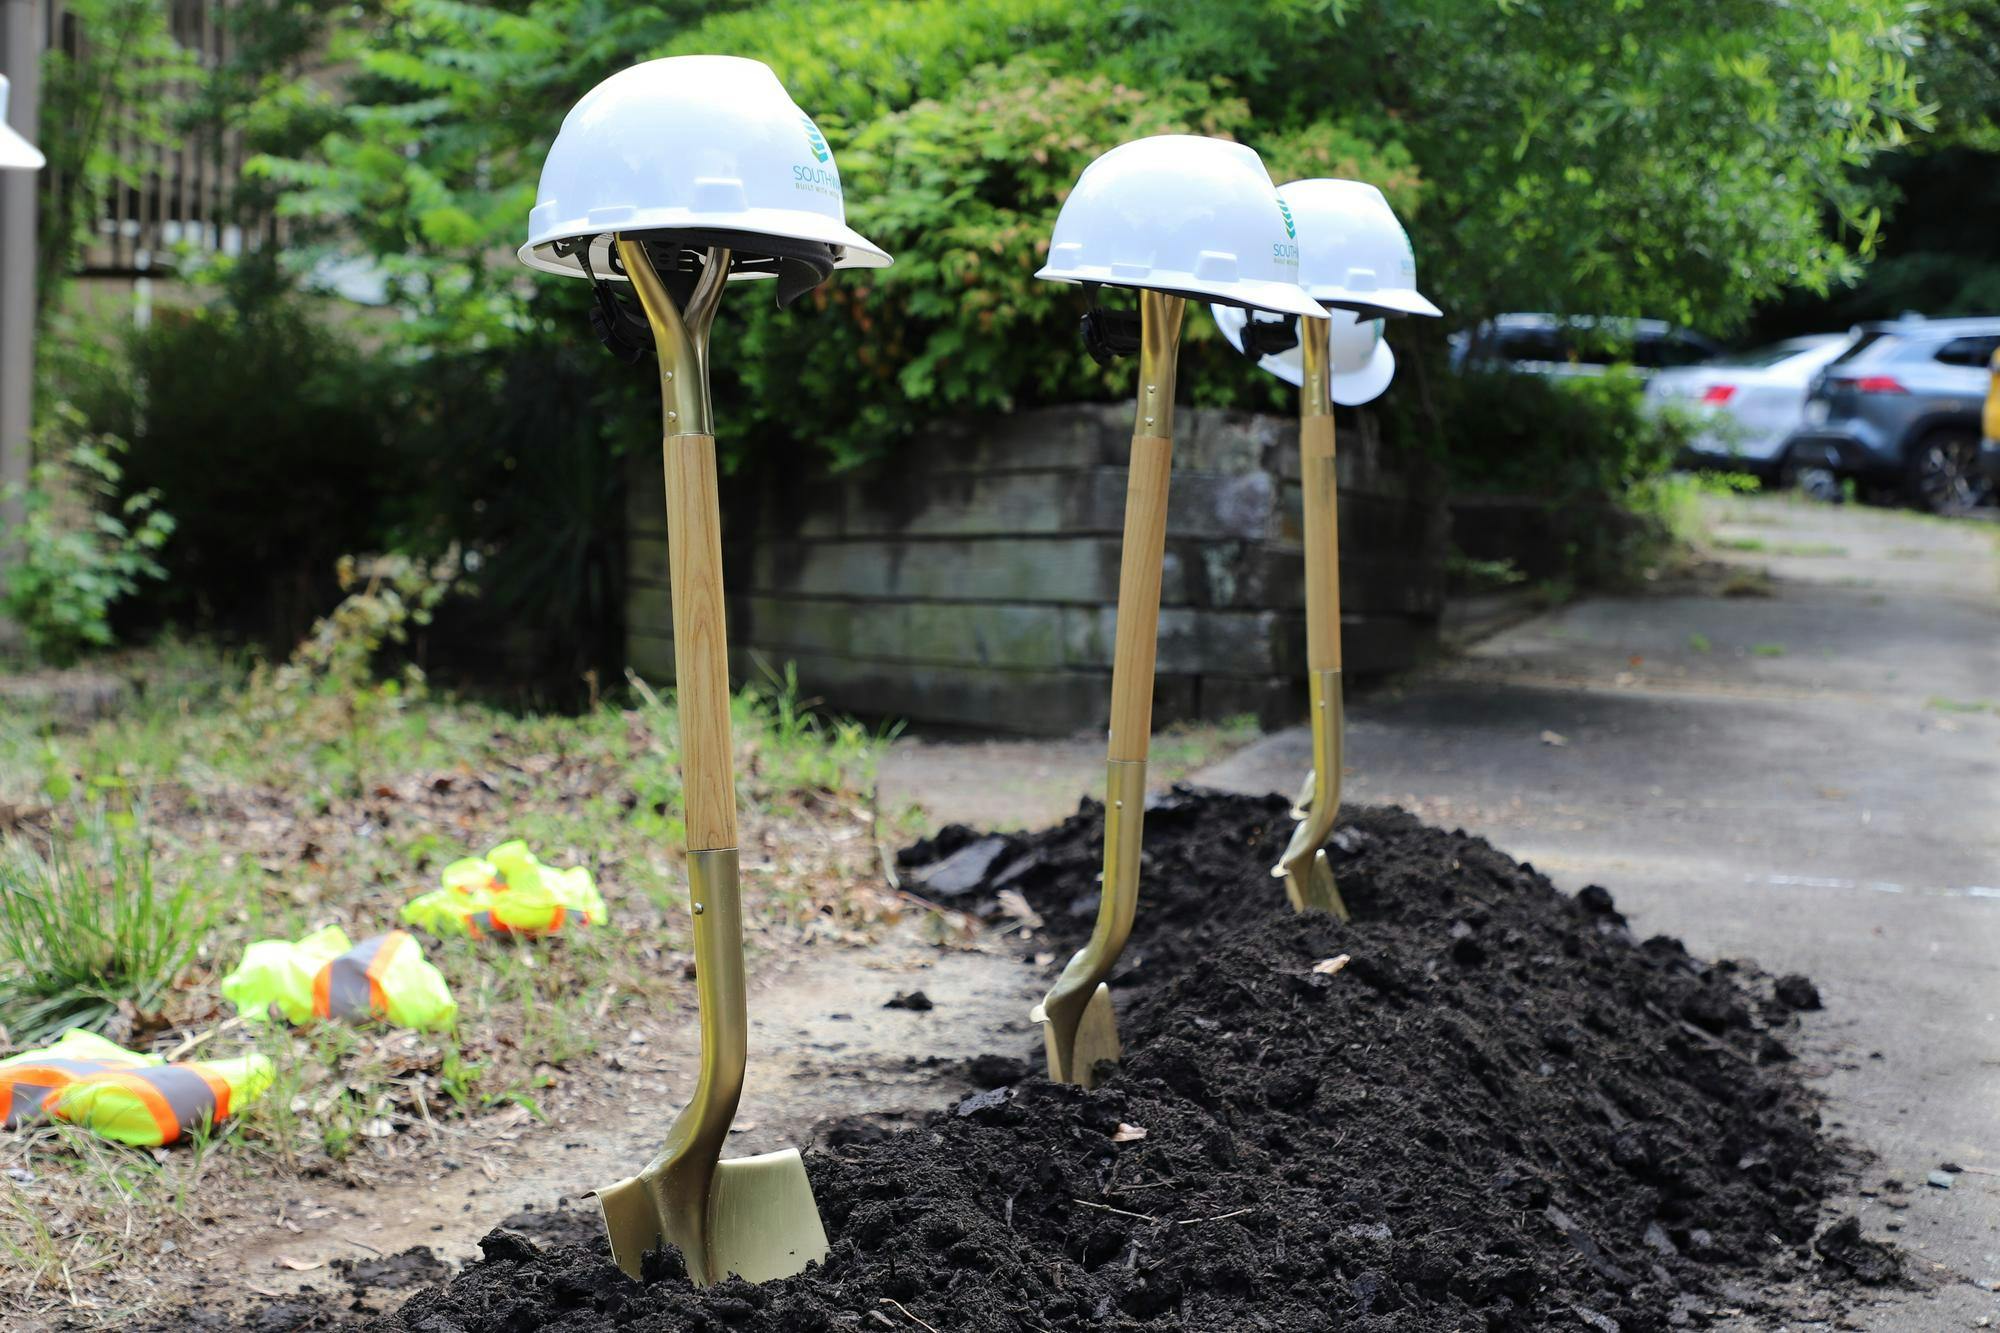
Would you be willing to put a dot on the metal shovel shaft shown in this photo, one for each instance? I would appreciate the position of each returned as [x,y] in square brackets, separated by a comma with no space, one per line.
[1308,879]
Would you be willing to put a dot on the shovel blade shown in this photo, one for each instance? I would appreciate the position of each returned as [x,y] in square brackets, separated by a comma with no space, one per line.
[761,1222]
[1308,878]
[1096,1039]
[1319,891]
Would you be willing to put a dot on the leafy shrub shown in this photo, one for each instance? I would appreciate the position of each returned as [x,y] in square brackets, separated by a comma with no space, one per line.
[332,695]
[1588,448]
[961,192]
[86,932]
[269,435]
[1579,439]
[82,547]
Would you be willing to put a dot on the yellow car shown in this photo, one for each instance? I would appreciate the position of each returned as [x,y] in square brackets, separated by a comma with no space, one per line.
[1989,448]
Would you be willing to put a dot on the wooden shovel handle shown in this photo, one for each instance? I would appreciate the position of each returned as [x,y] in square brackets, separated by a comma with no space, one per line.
[1138,624]
[701,642]
[1322,542]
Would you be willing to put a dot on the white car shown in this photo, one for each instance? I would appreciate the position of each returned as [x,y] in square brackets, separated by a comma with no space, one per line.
[1749,402]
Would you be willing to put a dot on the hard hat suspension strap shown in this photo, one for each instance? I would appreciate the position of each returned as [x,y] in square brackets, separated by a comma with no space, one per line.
[1262,337]
[623,330]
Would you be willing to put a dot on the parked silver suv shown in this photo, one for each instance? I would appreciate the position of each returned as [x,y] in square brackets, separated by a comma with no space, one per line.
[1900,408]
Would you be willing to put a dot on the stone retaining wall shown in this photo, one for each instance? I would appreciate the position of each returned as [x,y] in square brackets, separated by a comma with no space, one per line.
[975,581]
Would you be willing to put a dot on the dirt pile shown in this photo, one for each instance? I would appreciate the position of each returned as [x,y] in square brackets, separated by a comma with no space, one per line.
[1499,1112]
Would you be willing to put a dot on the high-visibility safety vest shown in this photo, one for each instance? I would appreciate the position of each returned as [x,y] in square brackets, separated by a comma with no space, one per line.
[507,892]
[326,976]
[138,1099]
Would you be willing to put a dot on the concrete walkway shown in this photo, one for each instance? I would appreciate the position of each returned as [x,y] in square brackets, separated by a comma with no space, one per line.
[1809,778]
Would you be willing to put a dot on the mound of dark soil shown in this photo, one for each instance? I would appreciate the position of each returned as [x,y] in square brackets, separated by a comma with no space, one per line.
[1500,1111]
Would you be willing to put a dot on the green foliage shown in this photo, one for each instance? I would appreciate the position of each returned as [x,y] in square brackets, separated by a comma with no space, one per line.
[268,434]
[961,191]
[104,106]
[87,932]
[1675,159]
[330,690]
[1588,449]
[1665,159]
[82,548]
[1583,439]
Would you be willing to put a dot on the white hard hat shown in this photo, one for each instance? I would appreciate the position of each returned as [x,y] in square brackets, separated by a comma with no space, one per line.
[1363,365]
[709,146]
[1183,214]
[1354,254]
[15,152]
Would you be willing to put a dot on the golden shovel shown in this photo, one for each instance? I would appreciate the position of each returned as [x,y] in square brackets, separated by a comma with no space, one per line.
[755,1216]
[1078,1027]
[1308,878]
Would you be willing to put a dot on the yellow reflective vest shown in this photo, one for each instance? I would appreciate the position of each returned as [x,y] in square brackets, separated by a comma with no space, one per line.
[324,976]
[138,1099]
[507,892]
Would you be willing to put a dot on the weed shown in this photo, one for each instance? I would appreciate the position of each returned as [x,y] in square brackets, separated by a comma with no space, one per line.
[1767,650]
[1747,583]
[1547,594]
[1699,642]
[82,935]
[458,1078]
[1182,748]
[1941,704]
[1482,575]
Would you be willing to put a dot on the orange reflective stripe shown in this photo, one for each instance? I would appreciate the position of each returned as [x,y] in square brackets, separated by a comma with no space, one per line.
[29,1087]
[150,1097]
[556,921]
[218,1088]
[392,943]
[322,993]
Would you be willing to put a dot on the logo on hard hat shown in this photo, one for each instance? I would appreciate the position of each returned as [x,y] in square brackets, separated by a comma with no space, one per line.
[1291,229]
[815,140]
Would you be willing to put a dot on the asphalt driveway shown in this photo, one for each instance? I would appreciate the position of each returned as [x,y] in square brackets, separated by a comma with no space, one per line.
[1802,769]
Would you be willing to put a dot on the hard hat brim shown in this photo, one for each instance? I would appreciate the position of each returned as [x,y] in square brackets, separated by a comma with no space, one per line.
[1366,384]
[856,250]
[1386,302]
[1284,298]
[1349,390]
[16,153]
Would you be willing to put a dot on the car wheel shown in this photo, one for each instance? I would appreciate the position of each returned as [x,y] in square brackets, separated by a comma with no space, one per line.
[1943,475]
[1814,480]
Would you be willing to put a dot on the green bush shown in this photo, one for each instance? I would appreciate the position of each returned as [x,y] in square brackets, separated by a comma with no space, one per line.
[84,542]
[961,192]
[270,436]
[1587,448]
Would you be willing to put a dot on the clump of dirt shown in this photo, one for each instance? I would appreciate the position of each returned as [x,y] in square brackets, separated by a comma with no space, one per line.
[1501,1112]
[414,1267]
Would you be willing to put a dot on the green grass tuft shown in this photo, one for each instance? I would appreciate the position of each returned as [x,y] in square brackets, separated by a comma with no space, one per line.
[85,928]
